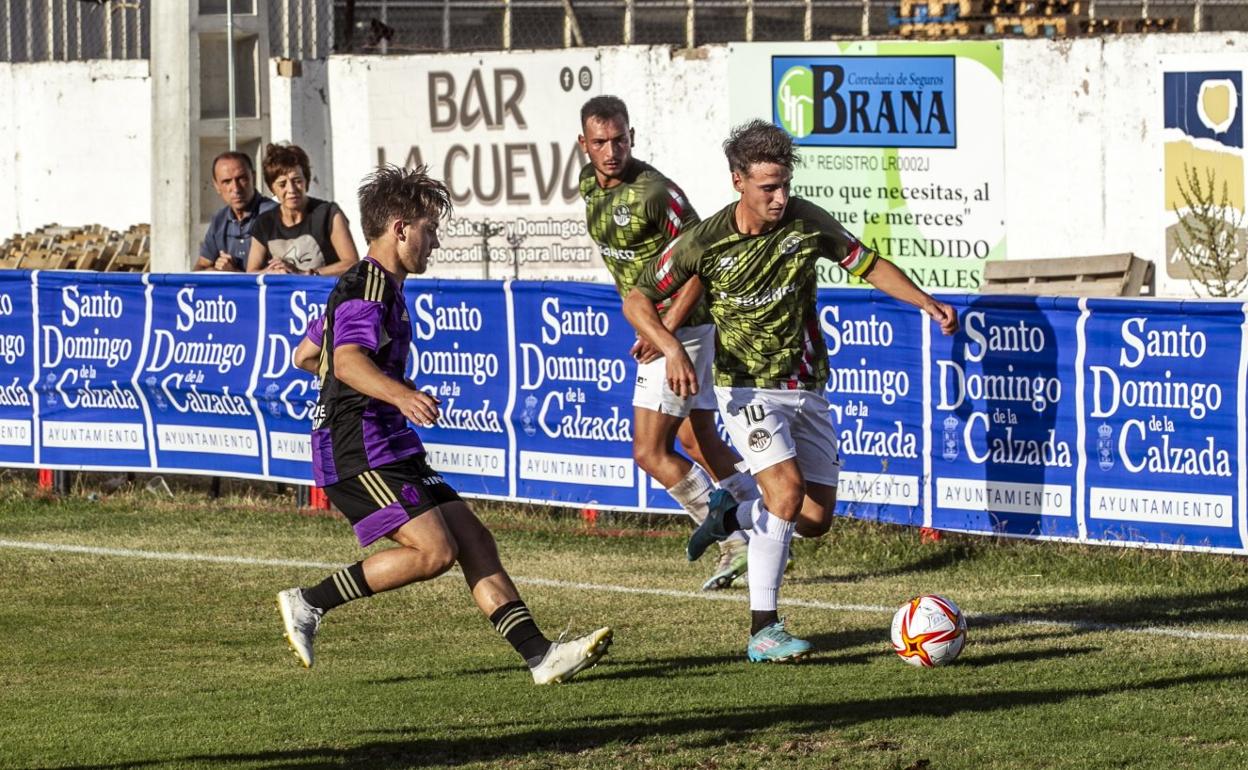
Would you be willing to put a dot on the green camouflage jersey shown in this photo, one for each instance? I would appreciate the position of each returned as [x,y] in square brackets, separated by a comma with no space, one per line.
[634,221]
[761,292]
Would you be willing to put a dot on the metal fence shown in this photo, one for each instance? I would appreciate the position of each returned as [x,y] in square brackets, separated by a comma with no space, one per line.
[77,30]
[72,30]
[405,26]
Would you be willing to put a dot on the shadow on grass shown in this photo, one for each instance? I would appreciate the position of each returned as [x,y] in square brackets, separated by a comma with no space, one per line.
[694,729]
[955,553]
[1025,656]
[1170,610]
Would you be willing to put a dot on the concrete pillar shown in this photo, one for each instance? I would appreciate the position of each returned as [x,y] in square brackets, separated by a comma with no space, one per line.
[190,114]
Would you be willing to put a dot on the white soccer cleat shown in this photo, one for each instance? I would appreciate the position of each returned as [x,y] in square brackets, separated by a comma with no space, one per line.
[301,621]
[733,562]
[565,660]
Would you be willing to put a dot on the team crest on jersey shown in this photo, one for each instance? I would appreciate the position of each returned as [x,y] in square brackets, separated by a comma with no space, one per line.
[759,440]
[622,215]
[789,246]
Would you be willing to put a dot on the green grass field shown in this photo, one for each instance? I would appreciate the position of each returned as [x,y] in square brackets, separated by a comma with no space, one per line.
[113,660]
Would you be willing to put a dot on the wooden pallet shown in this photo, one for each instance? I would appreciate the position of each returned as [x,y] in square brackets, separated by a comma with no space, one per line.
[1030,8]
[939,29]
[1109,275]
[1027,26]
[997,26]
[92,247]
[936,8]
[1128,26]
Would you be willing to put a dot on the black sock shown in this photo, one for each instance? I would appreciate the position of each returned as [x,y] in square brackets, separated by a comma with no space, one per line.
[339,588]
[514,622]
[730,520]
[760,619]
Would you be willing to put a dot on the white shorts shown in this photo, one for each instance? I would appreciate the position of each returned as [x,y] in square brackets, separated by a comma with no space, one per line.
[651,390]
[770,426]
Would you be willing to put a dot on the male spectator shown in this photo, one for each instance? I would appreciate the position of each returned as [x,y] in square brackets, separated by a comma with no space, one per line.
[228,239]
[633,213]
[372,464]
[302,235]
[756,257]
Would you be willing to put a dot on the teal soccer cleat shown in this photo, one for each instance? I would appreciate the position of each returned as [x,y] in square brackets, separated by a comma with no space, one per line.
[712,529]
[773,644]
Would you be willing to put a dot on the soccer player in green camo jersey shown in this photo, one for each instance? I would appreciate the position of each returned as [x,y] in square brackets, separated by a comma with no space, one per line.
[633,213]
[756,259]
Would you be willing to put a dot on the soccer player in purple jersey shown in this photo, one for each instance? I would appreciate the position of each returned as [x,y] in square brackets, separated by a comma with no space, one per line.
[372,464]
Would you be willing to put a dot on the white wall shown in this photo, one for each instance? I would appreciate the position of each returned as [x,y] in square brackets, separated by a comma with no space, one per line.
[1083,148]
[75,144]
[299,113]
[678,103]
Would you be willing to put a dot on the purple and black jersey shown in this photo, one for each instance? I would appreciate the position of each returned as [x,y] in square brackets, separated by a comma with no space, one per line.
[351,432]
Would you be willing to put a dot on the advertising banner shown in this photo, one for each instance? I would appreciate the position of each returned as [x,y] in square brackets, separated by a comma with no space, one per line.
[18,369]
[461,354]
[1004,424]
[1203,170]
[574,386]
[503,139]
[204,346]
[91,342]
[901,141]
[876,389]
[1163,394]
[285,396]
[1089,420]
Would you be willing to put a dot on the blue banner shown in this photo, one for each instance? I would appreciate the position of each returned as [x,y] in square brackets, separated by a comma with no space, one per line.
[574,387]
[18,370]
[1004,419]
[285,396]
[1101,421]
[204,348]
[875,386]
[92,338]
[1163,394]
[461,355]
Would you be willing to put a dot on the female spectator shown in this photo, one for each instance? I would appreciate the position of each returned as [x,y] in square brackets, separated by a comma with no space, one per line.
[303,235]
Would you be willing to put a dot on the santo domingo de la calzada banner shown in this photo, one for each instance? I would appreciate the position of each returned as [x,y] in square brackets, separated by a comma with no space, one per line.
[1104,421]
[901,141]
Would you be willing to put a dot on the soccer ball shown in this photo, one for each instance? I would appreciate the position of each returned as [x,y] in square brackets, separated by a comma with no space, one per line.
[928,631]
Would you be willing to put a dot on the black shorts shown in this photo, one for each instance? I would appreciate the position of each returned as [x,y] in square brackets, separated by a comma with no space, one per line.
[379,501]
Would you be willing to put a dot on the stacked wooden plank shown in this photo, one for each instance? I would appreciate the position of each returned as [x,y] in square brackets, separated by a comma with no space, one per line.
[1011,18]
[93,247]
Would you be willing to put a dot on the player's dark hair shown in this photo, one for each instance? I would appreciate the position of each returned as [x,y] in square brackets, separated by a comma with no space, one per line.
[282,159]
[604,108]
[759,142]
[241,157]
[409,194]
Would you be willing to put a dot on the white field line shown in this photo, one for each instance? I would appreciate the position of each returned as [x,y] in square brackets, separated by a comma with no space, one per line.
[1080,625]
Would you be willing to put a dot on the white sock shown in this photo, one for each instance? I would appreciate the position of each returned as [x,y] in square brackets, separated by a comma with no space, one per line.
[769,550]
[692,493]
[741,486]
